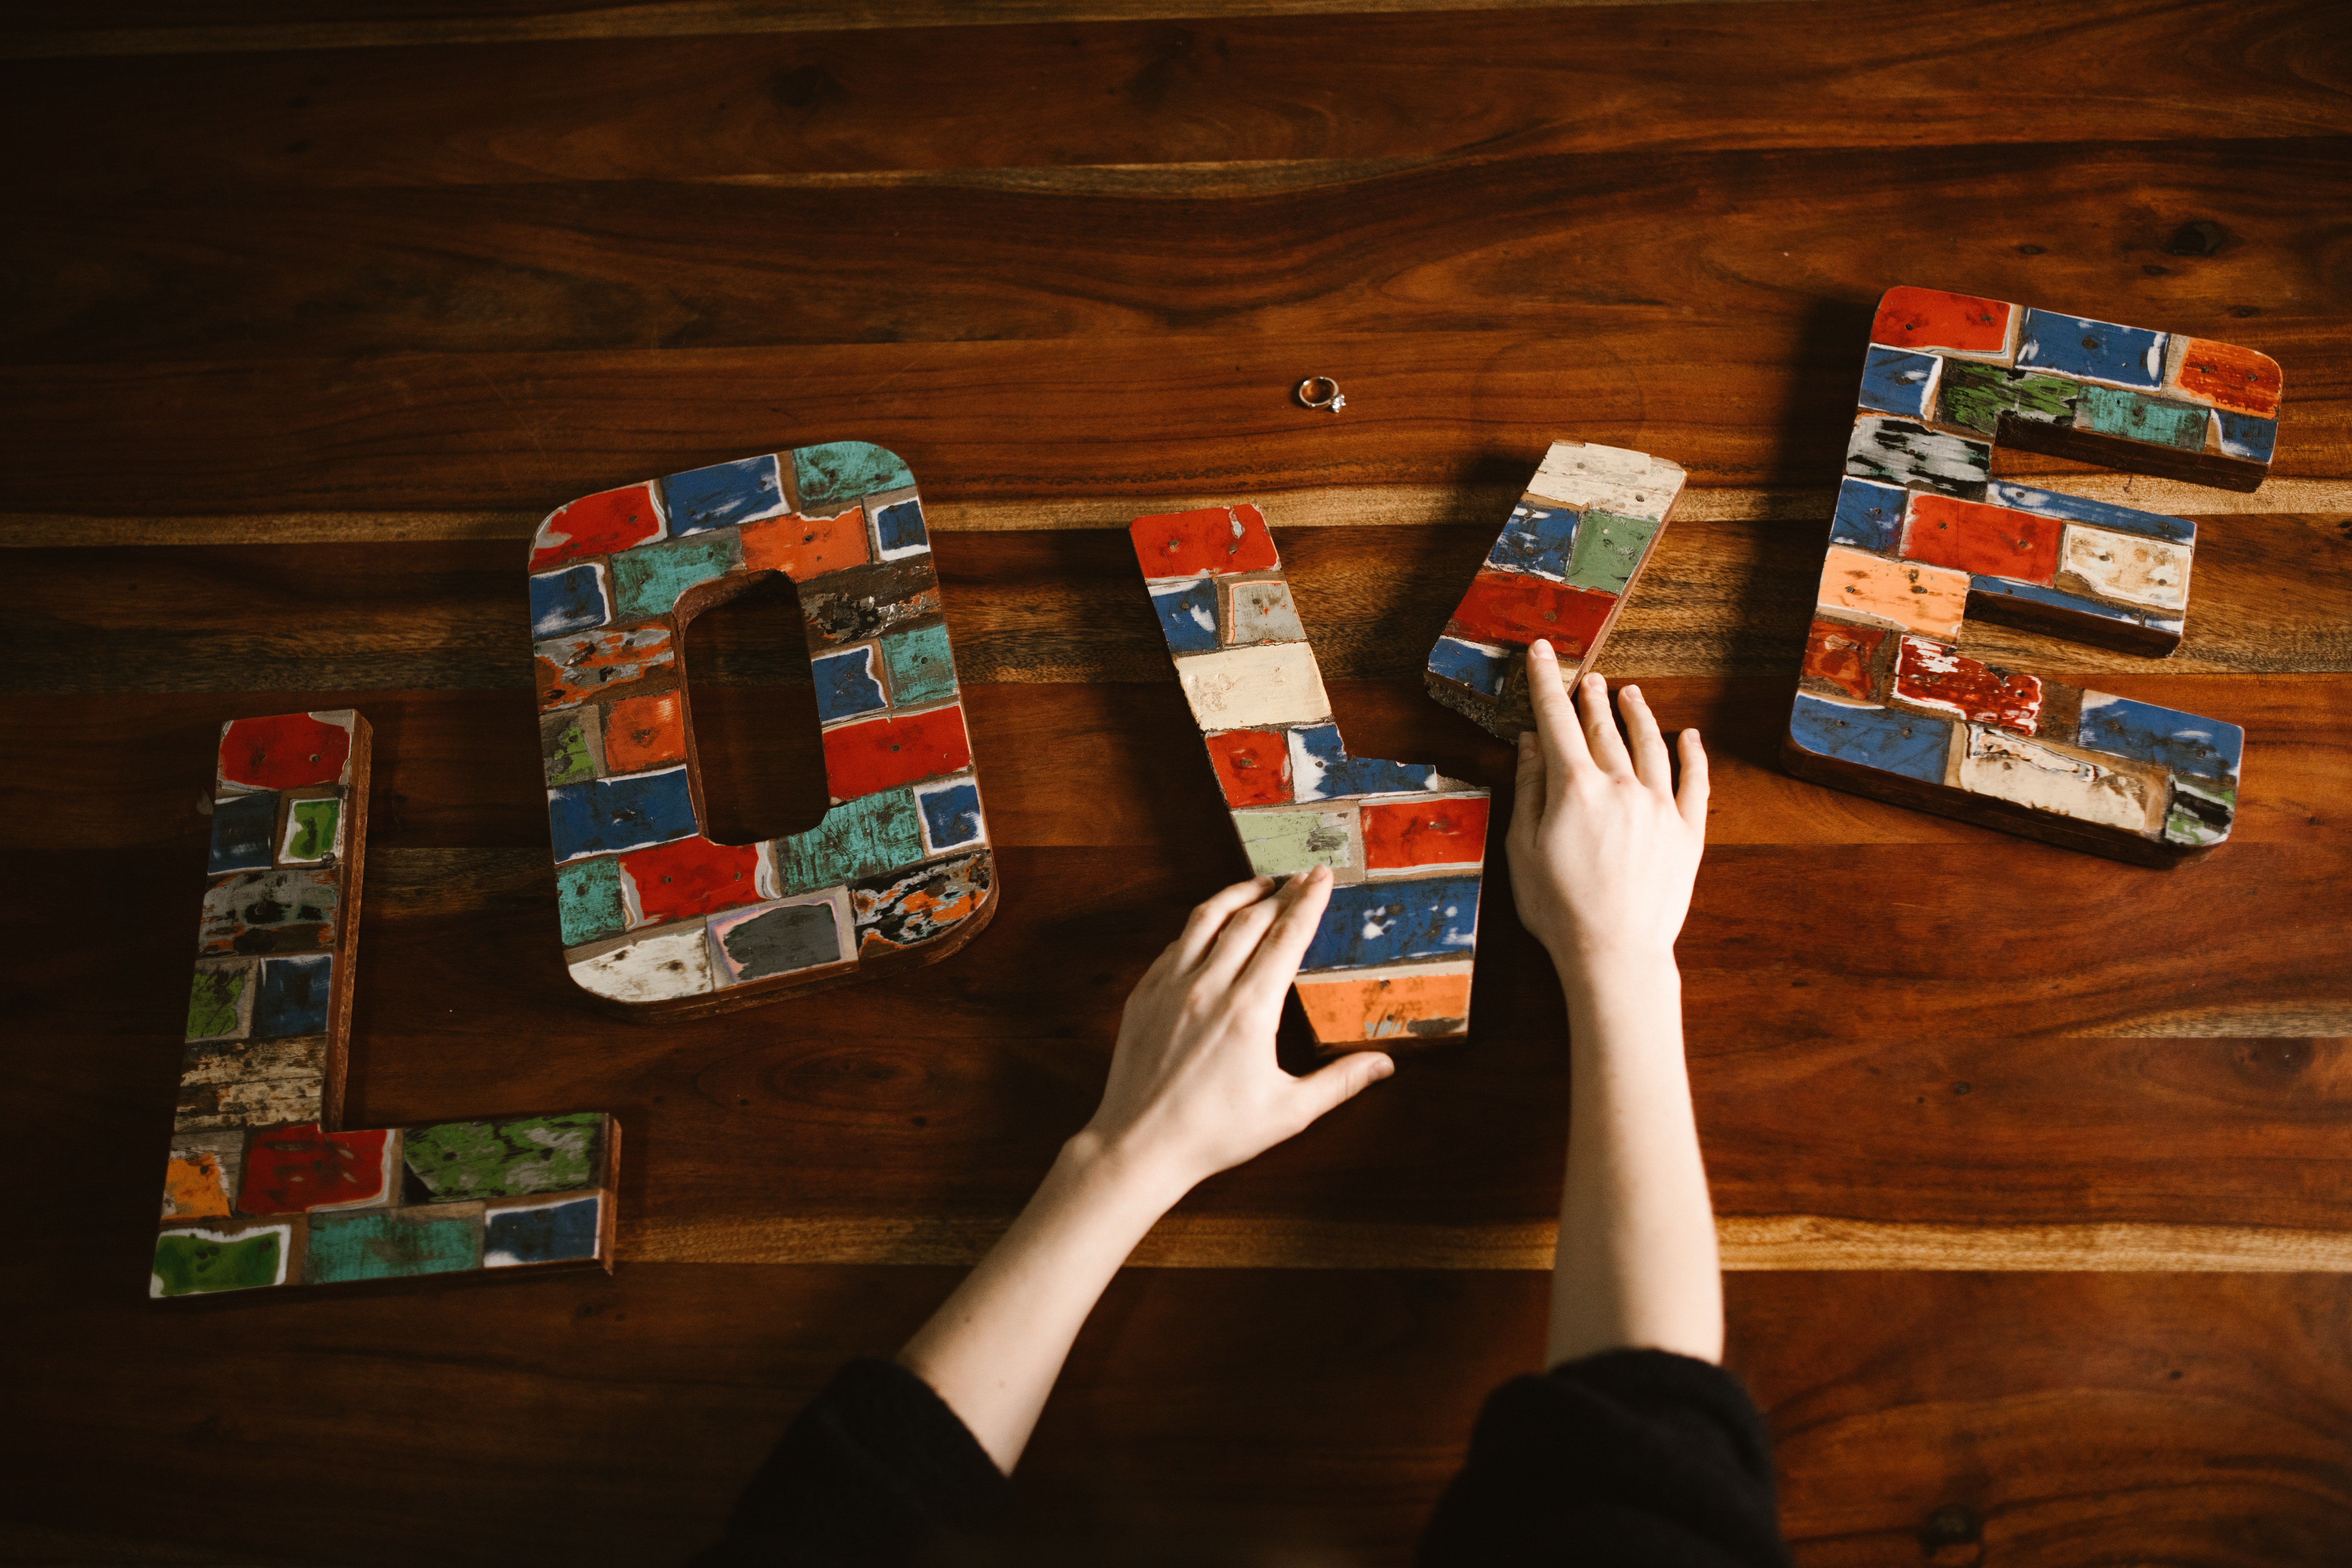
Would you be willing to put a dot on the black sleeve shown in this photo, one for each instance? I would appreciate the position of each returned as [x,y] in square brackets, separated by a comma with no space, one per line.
[1633,1458]
[877,1469]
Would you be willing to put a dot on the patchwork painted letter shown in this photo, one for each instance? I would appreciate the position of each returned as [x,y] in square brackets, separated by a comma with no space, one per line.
[264,1186]
[1406,846]
[659,919]
[1923,536]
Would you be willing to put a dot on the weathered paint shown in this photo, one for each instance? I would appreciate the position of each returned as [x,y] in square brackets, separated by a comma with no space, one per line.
[566,1230]
[1515,607]
[1481,667]
[848,683]
[864,602]
[786,937]
[1243,688]
[1897,382]
[314,831]
[2200,814]
[867,758]
[287,751]
[574,599]
[647,582]
[921,664]
[899,529]
[292,996]
[861,837]
[588,901]
[1932,675]
[2077,604]
[598,525]
[2137,570]
[950,815]
[1321,769]
[604,815]
[2245,435]
[644,733]
[1370,923]
[2099,514]
[1986,541]
[1537,539]
[2229,377]
[201,1175]
[723,495]
[2184,742]
[844,471]
[1407,834]
[455,1161]
[1975,396]
[1609,550]
[200,1259]
[393,1244]
[2111,411]
[1900,451]
[1917,598]
[273,1084]
[290,911]
[293,1170]
[913,906]
[652,966]
[1845,656]
[2098,351]
[1279,843]
[1253,766]
[805,547]
[690,877]
[1582,477]
[1869,516]
[1873,737]
[1261,611]
[1213,540]
[572,669]
[220,1000]
[245,830]
[1188,614]
[1912,318]
[2062,780]
[572,744]
[1424,1001]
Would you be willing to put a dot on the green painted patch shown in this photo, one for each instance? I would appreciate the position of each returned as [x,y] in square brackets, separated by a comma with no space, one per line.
[1977,395]
[569,759]
[2112,411]
[863,837]
[391,1244]
[213,1003]
[844,471]
[1281,842]
[922,666]
[189,1263]
[588,901]
[311,828]
[1608,548]
[461,1160]
[647,583]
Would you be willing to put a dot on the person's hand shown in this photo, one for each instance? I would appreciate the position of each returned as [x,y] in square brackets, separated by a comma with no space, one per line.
[1194,1085]
[1604,849]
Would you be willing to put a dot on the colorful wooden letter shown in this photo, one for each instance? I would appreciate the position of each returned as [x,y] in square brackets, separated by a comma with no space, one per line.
[1925,537]
[1571,552]
[1405,845]
[264,1186]
[657,918]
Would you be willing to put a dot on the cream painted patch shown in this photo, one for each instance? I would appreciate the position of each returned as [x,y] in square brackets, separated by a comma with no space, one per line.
[2137,570]
[650,968]
[1241,687]
[2061,780]
[1608,479]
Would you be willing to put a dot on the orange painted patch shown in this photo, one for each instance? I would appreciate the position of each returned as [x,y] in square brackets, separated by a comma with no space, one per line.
[1915,597]
[195,1189]
[597,525]
[1424,833]
[573,668]
[2231,376]
[692,877]
[1353,1009]
[1932,319]
[1216,540]
[642,732]
[1991,540]
[883,753]
[291,1170]
[805,547]
[1253,766]
[1516,607]
[1841,655]
[285,751]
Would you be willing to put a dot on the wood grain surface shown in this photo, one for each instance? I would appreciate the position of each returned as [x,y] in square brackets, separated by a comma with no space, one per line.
[2031,1169]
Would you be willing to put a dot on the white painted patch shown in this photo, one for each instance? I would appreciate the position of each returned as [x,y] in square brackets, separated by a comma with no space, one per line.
[654,967]
[1609,478]
[2126,566]
[2006,766]
[1242,688]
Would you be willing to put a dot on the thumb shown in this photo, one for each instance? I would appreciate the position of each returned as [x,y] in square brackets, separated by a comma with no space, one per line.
[1338,1082]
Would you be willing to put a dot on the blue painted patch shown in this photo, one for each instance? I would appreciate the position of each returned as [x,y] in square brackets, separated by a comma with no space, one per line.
[1869,516]
[845,685]
[602,816]
[2098,514]
[2248,435]
[2184,742]
[1879,738]
[2099,350]
[1321,769]
[2057,599]
[1387,923]
[1537,539]
[1896,381]
[723,495]
[292,996]
[951,813]
[1479,669]
[898,530]
[1188,616]
[545,1233]
[244,831]
[572,600]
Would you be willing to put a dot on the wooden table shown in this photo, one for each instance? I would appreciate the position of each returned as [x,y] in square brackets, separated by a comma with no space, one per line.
[2034,1168]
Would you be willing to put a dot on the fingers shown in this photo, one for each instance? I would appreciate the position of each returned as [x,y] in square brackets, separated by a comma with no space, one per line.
[1691,799]
[1600,729]
[1335,1083]
[1556,727]
[1648,746]
[1276,963]
[1208,917]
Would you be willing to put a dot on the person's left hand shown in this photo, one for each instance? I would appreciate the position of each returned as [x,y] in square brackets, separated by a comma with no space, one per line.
[1195,1086]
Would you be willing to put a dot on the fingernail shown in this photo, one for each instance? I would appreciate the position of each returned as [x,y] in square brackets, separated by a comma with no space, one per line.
[1541,645]
[1633,691]
[1388,1066]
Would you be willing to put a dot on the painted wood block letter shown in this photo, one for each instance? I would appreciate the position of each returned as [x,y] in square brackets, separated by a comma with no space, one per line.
[1924,538]
[1393,957]
[659,919]
[1568,555]
[264,1186]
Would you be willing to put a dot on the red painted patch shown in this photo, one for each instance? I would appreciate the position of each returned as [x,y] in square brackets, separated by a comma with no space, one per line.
[288,1170]
[2231,376]
[597,525]
[693,877]
[883,753]
[1424,833]
[1253,766]
[285,751]
[1932,676]
[803,548]
[642,732]
[1216,540]
[1515,607]
[1931,319]
[1841,655]
[1991,541]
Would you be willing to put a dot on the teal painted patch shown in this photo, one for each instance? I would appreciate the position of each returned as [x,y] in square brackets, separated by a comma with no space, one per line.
[864,838]
[461,1160]
[2111,411]
[588,901]
[844,471]
[213,1003]
[569,759]
[1608,549]
[392,1243]
[647,582]
[191,1263]
[922,666]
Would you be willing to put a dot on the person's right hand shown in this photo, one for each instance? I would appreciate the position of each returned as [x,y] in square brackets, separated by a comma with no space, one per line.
[1604,849]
